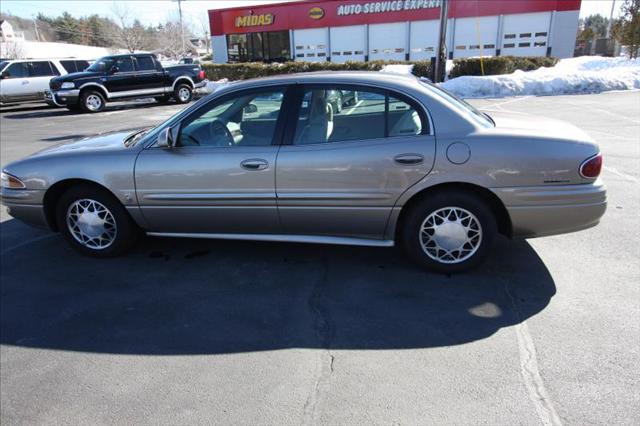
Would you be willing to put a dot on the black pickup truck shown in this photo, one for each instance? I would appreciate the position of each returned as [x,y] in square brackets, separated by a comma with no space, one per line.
[121,77]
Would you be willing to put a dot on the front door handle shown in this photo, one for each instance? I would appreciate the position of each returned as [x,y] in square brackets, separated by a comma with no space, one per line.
[408,159]
[255,164]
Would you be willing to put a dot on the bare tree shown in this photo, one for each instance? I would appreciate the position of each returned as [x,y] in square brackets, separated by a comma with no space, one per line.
[170,40]
[11,50]
[128,35]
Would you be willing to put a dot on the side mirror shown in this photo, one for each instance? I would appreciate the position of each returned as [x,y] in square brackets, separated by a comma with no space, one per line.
[250,109]
[165,139]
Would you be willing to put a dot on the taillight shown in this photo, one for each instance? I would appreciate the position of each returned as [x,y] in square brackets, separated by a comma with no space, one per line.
[591,167]
[201,75]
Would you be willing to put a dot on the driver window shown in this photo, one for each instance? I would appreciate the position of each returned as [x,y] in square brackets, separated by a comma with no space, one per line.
[246,120]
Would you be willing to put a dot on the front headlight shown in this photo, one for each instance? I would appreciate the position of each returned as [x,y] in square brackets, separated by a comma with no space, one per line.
[11,182]
[68,85]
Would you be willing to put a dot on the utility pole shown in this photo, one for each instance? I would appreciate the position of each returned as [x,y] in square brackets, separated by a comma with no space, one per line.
[35,26]
[613,5]
[181,25]
[441,57]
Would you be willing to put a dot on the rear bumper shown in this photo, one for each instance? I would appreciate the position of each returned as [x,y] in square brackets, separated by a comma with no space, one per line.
[62,98]
[25,205]
[548,210]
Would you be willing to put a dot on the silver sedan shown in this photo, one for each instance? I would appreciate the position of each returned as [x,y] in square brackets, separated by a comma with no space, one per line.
[399,161]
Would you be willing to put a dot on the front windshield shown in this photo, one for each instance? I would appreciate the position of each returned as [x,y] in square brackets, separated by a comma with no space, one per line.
[460,105]
[3,64]
[101,65]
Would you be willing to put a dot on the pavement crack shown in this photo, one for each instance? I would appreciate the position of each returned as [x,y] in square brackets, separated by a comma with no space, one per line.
[324,330]
[529,368]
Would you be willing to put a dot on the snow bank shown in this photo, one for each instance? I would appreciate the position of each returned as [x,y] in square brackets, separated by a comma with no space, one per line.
[39,49]
[212,86]
[586,74]
[398,68]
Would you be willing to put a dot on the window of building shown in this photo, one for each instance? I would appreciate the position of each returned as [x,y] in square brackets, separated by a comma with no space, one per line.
[509,45]
[359,52]
[489,46]
[336,53]
[524,44]
[461,47]
[244,120]
[347,53]
[299,55]
[299,47]
[265,46]
[508,36]
[525,35]
[428,49]
[321,54]
[539,44]
[474,46]
[398,49]
[542,34]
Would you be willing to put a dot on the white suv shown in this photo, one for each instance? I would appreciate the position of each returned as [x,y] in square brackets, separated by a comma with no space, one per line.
[25,80]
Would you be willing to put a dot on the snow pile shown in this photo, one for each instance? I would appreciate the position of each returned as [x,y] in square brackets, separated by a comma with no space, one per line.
[586,74]
[398,69]
[39,49]
[212,86]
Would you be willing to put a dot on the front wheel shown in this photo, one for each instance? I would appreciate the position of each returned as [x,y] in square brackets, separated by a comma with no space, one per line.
[92,101]
[449,232]
[183,94]
[94,222]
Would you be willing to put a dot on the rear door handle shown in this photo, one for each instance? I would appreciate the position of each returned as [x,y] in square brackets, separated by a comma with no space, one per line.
[408,159]
[255,164]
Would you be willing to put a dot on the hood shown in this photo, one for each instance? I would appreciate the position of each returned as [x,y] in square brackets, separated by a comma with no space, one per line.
[537,126]
[75,76]
[108,142]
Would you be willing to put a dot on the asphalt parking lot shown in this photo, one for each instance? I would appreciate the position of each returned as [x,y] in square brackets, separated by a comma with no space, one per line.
[547,331]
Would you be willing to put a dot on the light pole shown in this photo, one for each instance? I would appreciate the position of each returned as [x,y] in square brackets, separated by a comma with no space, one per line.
[181,26]
[441,57]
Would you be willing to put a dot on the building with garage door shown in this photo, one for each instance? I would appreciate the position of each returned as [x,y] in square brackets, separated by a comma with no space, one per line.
[343,30]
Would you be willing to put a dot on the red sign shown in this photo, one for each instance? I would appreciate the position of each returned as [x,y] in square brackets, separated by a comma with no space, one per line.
[335,13]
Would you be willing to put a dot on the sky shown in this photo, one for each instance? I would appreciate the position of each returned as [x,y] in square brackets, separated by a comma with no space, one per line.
[194,11]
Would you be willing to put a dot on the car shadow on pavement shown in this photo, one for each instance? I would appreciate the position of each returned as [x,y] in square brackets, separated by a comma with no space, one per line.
[173,296]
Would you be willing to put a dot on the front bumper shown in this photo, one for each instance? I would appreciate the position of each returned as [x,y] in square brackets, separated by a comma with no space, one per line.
[548,210]
[62,98]
[25,205]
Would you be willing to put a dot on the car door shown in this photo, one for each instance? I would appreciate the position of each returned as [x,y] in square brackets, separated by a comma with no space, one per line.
[40,73]
[14,85]
[220,176]
[149,75]
[341,173]
[120,80]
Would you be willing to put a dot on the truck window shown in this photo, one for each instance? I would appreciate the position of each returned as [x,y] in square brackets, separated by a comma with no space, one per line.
[42,69]
[145,63]
[69,66]
[17,70]
[124,64]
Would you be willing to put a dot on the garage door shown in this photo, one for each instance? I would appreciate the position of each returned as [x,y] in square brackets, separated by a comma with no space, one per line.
[475,36]
[387,41]
[348,43]
[424,39]
[525,34]
[311,45]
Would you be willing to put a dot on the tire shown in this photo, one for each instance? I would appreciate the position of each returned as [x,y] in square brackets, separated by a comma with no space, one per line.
[92,101]
[162,99]
[460,245]
[119,231]
[183,93]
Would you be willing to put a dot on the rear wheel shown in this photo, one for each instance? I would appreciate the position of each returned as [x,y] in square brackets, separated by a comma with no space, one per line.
[92,101]
[449,232]
[94,222]
[183,94]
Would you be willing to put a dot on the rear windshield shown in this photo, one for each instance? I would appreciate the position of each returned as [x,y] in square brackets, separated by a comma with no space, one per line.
[460,105]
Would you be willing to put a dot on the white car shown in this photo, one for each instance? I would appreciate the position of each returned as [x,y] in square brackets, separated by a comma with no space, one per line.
[25,80]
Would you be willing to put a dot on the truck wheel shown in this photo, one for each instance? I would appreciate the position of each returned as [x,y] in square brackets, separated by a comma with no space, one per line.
[183,94]
[92,101]
[449,232]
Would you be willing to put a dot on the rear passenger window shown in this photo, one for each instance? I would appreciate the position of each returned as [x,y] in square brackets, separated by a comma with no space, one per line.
[333,115]
[145,63]
[82,65]
[42,69]
[69,66]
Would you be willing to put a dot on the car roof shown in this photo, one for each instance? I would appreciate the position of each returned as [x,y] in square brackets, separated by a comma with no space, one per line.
[374,78]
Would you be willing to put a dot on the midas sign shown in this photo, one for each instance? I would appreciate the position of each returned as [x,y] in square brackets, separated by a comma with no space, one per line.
[254,20]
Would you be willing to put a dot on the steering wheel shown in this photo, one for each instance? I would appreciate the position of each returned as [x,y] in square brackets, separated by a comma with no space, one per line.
[218,129]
